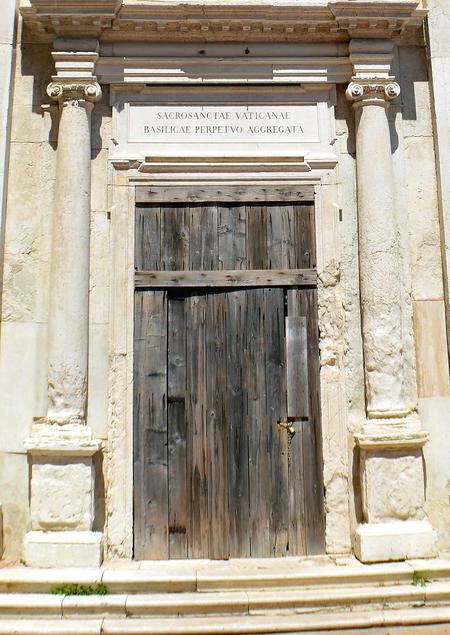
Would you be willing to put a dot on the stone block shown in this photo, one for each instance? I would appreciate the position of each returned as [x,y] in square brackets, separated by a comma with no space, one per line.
[22,381]
[62,493]
[99,181]
[63,549]
[393,485]
[431,348]
[97,412]
[421,201]
[99,269]
[398,540]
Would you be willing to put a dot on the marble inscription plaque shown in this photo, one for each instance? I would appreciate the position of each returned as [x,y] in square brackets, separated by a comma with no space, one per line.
[223,124]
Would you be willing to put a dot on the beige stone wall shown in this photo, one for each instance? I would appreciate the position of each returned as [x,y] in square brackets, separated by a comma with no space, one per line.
[7,43]
[419,206]
[25,281]
[432,308]
[25,301]
[28,237]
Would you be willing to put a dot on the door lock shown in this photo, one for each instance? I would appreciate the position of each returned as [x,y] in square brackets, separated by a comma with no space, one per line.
[286,424]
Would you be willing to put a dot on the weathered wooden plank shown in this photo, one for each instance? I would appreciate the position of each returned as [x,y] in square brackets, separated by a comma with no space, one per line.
[276,410]
[231,194]
[281,247]
[237,420]
[260,482]
[203,237]
[150,425]
[217,428]
[174,237]
[253,278]
[176,426]
[196,418]
[231,234]
[256,236]
[148,238]
[298,409]
[297,368]
[305,236]
[312,439]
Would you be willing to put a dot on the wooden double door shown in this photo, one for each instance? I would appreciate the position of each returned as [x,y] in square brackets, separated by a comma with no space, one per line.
[226,393]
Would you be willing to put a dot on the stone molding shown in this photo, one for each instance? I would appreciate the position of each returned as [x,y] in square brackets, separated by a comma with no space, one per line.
[364,91]
[117,20]
[48,439]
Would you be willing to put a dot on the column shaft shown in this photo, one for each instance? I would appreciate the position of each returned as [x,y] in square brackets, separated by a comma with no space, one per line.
[380,281]
[69,279]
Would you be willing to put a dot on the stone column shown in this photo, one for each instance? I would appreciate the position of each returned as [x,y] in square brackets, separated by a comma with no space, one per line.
[391,440]
[61,446]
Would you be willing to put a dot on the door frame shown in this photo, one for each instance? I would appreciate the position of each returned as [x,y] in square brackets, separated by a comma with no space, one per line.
[119,459]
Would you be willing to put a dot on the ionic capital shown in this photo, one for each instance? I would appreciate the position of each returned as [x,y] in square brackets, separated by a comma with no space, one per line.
[70,91]
[366,91]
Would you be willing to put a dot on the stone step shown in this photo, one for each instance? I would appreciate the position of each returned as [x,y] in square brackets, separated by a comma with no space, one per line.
[335,622]
[237,603]
[232,575]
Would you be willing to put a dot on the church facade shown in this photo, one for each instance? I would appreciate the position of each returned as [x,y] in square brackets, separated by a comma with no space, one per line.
[225,280]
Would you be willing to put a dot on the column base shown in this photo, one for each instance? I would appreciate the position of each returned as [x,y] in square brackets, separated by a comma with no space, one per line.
[398,540]
[63,549]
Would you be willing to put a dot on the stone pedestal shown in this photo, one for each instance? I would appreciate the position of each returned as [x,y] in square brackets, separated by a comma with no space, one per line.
[391,440]
[61,446]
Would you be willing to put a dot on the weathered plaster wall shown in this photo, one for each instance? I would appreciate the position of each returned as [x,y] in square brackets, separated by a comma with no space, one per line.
[420,209]
[432,309]
[28,236]
[25,281]
[7,42]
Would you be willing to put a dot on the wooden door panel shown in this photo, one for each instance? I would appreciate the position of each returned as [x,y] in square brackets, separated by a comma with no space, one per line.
[178,493]
[303,303]
[219,375]
[207,237]
[238,429]
[150,432]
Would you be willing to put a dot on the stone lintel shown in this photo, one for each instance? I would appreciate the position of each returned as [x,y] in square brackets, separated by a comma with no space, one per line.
[398,540]
[63,549]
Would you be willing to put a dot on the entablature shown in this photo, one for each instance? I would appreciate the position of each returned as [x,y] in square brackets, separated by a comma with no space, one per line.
[263,20]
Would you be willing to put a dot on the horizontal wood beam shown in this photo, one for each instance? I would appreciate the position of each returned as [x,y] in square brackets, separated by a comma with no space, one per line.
[227,194]
[237,278]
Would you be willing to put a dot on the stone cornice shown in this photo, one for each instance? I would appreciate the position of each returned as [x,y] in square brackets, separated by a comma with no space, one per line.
[116,20]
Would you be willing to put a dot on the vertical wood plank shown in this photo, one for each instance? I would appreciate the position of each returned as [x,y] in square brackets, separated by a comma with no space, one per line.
[204,250]
[196,422]
[217,429]
[304,235]
[260,482]
[256,236]
[297,406]
[312,456]
[148,238]
[150,425]
[231,235]
[174,238]
[276,409]
[176,426]
[237,421]
[281,247]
